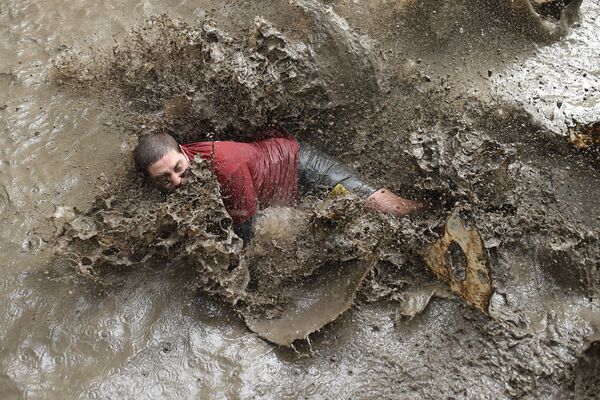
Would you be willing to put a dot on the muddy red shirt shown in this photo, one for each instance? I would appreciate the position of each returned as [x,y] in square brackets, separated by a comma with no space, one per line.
[252,175]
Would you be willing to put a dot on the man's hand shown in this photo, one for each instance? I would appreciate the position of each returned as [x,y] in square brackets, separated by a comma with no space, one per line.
[385,201]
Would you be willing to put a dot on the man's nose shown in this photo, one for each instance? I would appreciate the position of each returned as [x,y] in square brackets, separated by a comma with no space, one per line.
[175,180]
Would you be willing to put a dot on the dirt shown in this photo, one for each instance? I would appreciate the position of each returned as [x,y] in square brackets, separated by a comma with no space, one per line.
[484,160]
[587,385]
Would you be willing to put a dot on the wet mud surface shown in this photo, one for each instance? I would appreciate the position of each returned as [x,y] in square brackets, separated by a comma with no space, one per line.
[432,111]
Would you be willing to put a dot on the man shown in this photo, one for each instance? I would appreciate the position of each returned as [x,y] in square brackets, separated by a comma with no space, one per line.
[269,172]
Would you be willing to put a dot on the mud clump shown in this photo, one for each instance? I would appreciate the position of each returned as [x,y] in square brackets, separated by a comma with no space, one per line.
[587,371]
[474,283]
[556,8]
[322,235]
[196,81]
[189,80]
[131,224]
[586,138]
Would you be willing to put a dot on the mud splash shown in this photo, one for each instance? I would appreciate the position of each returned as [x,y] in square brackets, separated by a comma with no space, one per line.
[132,224]
[488,163]
[587,370]
[196,81]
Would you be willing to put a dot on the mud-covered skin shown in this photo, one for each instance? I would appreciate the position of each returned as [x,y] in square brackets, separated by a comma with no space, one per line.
[502,172]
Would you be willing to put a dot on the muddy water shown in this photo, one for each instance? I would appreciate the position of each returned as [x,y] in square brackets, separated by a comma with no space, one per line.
[150,334]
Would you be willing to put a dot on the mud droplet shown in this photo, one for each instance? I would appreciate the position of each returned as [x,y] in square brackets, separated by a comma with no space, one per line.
[166,347]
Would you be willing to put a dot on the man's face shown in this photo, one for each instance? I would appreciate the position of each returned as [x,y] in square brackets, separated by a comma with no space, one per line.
[170,171]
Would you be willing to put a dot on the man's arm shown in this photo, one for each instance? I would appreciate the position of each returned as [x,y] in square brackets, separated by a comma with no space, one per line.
[385,201]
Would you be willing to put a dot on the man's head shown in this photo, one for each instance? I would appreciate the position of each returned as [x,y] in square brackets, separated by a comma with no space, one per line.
[159,157]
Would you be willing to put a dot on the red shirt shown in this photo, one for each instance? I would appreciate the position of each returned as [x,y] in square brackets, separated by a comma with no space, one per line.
[252,175]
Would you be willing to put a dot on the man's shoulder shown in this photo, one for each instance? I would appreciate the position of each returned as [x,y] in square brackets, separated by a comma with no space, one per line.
[223,148]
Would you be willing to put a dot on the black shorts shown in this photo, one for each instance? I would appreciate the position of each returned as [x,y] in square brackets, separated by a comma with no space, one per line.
[320,173]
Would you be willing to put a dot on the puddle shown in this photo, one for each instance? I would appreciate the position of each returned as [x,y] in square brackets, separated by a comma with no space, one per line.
[450,110]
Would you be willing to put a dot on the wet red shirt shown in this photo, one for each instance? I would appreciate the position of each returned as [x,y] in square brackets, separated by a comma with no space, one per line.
[252,175]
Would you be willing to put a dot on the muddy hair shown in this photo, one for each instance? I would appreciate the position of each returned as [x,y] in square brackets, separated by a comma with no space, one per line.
[152,148]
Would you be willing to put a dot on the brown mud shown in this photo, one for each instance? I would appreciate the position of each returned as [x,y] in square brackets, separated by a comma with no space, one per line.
[403,106]
[176,78]
[587,370]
